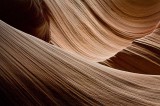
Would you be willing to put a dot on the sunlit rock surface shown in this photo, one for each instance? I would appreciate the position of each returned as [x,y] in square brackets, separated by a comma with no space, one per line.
[99,52]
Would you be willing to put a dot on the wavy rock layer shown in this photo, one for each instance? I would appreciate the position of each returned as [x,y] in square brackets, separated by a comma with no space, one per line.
[143,56]
[98,29]
[33,72]
[84,32]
